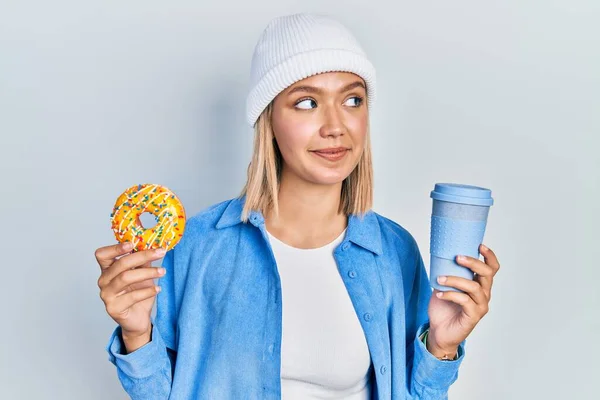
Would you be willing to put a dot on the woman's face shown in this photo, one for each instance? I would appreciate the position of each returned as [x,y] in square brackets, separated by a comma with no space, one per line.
[318,113]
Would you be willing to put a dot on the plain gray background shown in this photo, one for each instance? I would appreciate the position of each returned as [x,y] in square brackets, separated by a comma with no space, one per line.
[97,96]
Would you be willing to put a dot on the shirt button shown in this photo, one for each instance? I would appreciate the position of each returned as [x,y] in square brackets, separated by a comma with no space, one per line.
[383,369]
[368,317]
[352,274]
[345,246]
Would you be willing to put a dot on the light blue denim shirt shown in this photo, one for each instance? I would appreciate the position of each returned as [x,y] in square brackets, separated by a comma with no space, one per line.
[218,324]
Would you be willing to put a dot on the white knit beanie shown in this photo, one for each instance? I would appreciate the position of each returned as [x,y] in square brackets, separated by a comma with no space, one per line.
[294,47]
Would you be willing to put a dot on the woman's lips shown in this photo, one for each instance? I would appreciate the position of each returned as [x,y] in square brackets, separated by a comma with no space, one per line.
[331,156]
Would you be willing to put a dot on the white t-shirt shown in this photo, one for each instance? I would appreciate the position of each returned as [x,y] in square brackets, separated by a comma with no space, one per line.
[324,353]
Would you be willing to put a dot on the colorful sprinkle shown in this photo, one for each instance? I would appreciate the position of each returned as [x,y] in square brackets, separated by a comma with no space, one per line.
[154,199]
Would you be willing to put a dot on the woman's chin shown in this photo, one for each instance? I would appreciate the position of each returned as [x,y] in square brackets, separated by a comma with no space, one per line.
[328,178]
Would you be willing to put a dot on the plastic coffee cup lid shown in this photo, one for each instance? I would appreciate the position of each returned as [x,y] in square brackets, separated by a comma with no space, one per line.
[463,194]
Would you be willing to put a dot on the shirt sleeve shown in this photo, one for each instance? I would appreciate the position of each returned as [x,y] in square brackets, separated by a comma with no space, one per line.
[147,372]
[430,378]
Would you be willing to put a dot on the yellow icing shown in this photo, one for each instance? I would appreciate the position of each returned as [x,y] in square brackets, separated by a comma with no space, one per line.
[157,200]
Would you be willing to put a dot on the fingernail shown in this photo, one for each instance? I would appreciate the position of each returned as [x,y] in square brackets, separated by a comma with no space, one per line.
[127,246]
[161,271]
[484,247]
[441,279]
[439,294]
[157,288]
[462,258]
[160,252]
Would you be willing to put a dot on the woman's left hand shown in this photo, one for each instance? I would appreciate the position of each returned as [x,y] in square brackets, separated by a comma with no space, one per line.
[453,315]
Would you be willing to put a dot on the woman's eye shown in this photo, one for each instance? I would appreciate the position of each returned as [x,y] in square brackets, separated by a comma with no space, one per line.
[357,101]
[306,104]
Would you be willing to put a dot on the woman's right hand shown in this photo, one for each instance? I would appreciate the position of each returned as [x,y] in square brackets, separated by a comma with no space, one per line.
[127,287]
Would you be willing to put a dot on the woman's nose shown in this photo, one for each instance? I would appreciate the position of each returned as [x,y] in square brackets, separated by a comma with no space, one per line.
[332,123]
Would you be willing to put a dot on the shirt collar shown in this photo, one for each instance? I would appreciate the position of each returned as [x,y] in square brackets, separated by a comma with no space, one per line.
[363,231]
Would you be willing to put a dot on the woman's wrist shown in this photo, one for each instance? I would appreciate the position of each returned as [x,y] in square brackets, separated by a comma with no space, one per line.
[438,352]
[134,342]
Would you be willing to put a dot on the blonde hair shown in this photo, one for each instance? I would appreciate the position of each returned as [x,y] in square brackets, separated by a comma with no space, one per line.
[264,174]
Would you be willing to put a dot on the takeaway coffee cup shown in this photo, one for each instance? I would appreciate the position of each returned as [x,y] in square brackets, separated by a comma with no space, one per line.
[458,222]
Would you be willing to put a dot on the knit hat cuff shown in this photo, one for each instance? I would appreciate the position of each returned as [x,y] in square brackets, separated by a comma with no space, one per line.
[303,65]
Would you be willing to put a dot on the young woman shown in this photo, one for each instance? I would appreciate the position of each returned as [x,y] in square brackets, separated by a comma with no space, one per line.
[296,289]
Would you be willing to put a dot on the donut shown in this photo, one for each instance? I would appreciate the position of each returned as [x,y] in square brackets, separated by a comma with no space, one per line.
[156,200]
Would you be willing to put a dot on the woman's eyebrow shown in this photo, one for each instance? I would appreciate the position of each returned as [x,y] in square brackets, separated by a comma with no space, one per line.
[352,86]
[312,89]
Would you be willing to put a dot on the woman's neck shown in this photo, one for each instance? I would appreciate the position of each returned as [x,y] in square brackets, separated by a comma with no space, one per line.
[308,214]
